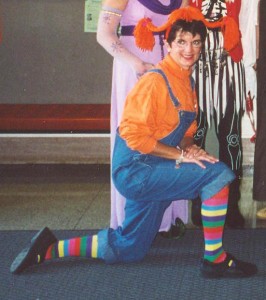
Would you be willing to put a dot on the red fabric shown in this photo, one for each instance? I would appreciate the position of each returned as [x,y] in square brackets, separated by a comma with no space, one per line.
[233,10]
[49,253]
[213,229]
[223,193]
[77,247]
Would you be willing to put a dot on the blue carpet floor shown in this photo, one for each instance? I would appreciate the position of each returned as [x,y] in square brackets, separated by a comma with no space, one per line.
[169,271]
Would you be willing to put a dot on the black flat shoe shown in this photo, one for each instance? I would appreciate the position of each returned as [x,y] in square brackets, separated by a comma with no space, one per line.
[230,267]
[176,231]
[35,253]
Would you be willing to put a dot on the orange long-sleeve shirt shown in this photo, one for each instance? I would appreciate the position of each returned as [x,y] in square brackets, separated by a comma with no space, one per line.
[149,114]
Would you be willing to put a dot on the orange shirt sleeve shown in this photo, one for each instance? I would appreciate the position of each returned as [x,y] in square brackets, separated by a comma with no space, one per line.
[138,121]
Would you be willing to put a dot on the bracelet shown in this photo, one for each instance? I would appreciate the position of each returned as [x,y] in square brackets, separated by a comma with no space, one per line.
[180,159]
[112,11]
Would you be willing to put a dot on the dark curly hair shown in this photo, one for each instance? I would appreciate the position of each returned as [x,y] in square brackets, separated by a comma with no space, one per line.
[194,27]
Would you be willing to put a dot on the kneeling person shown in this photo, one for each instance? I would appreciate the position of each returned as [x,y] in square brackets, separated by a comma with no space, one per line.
[155,162]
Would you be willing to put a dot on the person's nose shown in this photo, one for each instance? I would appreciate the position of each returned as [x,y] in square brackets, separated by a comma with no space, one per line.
[189,47]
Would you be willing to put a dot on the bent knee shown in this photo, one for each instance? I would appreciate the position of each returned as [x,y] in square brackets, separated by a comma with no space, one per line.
[112,249]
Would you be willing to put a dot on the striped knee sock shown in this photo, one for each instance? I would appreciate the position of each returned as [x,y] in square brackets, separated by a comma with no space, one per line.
[86,246]
[213,212]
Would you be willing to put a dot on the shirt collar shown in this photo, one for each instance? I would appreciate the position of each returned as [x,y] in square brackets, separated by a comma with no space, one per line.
[174,68]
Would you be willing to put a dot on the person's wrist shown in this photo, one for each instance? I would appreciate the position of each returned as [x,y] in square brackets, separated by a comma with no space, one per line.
[188,148]
[180,158]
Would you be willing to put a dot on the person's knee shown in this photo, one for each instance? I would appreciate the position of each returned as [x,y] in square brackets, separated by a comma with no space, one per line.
[220,169]
[114,250]
[227,171]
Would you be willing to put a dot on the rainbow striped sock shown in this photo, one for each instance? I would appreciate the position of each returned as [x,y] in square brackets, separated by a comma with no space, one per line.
[86,246]
[213,212]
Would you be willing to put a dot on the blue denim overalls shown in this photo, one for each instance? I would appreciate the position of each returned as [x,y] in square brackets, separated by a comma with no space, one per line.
[149,184]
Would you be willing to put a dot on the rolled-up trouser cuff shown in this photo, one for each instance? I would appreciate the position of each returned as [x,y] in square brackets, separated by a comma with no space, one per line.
[105,251]
[222,180]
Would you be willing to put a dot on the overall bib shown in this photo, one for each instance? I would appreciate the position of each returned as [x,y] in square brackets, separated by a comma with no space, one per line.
[149,184]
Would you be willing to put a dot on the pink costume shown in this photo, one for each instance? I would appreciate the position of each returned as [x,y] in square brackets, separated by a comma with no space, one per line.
[124,78]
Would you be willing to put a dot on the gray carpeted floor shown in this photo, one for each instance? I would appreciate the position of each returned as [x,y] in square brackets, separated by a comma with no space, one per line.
[170,271]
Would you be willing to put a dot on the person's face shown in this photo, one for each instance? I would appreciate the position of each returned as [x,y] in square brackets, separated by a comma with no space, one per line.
[185,49]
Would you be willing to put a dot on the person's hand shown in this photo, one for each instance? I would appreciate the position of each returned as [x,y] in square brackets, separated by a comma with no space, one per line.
[142,67]
[195,154]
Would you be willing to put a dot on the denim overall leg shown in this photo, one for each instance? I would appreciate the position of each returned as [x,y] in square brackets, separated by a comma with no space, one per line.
[150,184]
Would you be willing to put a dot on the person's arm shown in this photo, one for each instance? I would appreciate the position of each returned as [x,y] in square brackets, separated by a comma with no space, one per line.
[185,3]
[190,154]
[258,33]
[143,108]
[188,151]
[107,37]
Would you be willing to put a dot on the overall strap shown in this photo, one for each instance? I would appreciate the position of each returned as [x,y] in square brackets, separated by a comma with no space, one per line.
[172,96]
[192,83]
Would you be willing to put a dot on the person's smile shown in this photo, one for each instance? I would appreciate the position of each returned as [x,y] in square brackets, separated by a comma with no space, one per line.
[185,49]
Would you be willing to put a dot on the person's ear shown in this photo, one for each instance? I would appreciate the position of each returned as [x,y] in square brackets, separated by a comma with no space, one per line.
[167,45]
